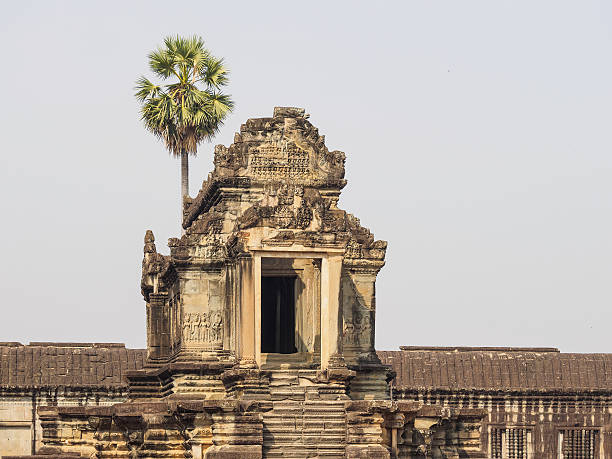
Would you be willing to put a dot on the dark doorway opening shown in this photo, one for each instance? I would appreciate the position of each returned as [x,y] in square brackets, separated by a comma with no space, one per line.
[278,315]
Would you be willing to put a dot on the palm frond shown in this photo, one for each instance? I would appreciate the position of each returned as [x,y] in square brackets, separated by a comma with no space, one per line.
[181,113]
[222,104]
[214,74]
[162,63]
[146,89]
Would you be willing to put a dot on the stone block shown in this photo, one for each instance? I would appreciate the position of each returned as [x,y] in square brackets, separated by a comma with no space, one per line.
[367,452]
[234,452]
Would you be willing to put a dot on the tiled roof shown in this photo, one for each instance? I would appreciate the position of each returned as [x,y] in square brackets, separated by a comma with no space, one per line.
[67,364]
[430,368]
[499,369]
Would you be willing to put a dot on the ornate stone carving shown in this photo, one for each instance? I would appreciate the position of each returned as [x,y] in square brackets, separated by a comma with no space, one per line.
[280,159]
[358,328]
[353,249]
[206,390]
[202,327]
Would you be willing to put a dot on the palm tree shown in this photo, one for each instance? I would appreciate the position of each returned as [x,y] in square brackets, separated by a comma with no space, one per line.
[191,107]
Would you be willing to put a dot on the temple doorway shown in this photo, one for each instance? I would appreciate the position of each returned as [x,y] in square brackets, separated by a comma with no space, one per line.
[278,314]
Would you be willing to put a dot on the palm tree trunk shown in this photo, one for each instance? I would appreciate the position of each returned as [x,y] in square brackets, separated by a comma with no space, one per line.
[184,177]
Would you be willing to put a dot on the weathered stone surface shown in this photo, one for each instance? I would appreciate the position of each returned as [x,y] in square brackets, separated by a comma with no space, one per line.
[234,452]
[269,208]
[260,326]
[539,403]
[204,387]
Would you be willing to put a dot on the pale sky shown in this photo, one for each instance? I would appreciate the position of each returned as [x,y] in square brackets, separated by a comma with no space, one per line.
[478,140]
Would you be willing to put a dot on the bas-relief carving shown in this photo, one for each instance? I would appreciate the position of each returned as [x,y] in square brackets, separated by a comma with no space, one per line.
[175,323]
[280,159]
[353,249]
[212,247]
[201,327]
[358,327]
[357,314]
[192,286]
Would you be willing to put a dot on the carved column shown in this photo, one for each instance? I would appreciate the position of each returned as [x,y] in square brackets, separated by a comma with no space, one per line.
[331,323]
[247,312]
[257,307]
[158,338]
[316,306]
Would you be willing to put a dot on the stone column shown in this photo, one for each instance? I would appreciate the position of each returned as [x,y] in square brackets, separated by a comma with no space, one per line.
[257,306]
[247,312]
[315,301]
[331,323]
[157,327]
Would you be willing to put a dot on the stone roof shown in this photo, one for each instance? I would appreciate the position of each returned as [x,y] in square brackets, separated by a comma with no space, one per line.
[285,147]
[39,365]
[418,368]
[498,369]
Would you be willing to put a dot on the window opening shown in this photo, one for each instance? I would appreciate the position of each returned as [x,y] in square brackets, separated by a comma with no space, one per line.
[578,443]
[510,443]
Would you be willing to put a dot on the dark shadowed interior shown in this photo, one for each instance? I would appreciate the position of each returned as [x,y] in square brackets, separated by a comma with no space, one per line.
[278,315]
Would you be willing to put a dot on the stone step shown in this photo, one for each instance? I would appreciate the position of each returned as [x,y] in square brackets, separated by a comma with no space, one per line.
[332,453]
[286,374]
[294,371]
[312,423]
[288,391]
[307,413]
[322,408]
[297,407]
[286,395]
[296,437]
[294,432]
[285,411]
[314,453]
[304,428]
[291,439]
[281,422]
[275,385]
[285,381]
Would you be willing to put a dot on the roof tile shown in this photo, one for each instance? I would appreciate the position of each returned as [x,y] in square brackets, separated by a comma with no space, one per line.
[499,369]
[63,364]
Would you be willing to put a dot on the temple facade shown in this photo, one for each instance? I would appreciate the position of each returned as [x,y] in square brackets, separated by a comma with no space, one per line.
[260,326]
[260,343]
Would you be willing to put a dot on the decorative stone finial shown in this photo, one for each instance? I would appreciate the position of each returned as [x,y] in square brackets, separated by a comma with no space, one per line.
[149,240]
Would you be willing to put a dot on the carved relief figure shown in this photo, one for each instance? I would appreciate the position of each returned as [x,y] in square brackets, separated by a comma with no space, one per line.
[357,329]
[279,159]
[202,327]
[216,322]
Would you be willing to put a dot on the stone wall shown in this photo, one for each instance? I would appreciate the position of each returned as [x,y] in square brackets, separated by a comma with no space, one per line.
[20,427]
[56,374]
[540,403]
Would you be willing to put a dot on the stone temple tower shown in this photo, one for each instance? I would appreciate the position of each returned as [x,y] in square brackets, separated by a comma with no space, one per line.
[270,274]
[260,325]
